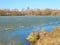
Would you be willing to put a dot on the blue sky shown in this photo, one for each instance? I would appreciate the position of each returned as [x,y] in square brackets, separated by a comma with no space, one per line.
[34,4]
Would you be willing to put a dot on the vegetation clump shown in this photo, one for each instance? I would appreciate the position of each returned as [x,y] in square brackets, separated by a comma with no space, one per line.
[32,37]
[8,28]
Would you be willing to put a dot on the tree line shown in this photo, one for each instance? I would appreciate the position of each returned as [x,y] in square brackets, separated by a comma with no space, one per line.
[29,12]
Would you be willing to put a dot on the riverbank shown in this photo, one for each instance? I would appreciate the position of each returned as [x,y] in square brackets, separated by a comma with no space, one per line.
[29,12]
[45,38]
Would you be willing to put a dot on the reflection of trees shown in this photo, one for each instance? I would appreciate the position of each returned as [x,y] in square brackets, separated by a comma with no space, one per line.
[1,43]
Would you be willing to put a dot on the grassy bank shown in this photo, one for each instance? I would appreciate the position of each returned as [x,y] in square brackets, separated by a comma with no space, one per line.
[45,38]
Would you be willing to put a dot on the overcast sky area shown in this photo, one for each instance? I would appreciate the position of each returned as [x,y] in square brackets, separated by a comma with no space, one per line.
[33,4]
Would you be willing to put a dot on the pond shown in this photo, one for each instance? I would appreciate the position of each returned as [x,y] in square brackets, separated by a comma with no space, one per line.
[22,26]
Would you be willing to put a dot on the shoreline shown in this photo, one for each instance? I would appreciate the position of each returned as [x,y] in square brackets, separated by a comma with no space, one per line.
[45,38]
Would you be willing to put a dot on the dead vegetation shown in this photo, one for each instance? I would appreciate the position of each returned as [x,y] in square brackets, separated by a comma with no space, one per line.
[47,38]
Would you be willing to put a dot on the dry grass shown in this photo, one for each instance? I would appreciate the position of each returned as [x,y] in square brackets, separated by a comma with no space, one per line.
[48,38]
